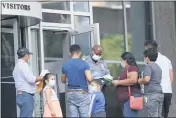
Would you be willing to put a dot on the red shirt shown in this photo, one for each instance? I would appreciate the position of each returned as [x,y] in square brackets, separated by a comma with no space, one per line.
[122,91]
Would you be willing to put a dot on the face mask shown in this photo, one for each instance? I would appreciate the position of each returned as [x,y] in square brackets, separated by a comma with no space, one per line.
[92,89]
[96,57]
[52,83]
[123,66]
[145,61]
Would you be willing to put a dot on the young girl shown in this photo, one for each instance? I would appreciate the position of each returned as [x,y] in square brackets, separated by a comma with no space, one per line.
[51,102]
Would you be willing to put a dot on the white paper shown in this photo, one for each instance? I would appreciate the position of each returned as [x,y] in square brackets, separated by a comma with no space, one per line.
[43,72]
[108,77]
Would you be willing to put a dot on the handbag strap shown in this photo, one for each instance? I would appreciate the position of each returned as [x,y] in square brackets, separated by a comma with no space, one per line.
[129,91]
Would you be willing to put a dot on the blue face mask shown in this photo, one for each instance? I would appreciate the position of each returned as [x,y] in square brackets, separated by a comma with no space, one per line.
[52,83]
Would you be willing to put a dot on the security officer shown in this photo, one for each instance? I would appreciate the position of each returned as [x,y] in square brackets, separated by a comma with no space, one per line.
[25,83]
[97,65]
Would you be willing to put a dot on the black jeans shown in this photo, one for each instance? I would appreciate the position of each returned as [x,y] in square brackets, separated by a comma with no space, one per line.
[166,104]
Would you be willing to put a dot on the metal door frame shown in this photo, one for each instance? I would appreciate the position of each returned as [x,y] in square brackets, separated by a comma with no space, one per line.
[13,30]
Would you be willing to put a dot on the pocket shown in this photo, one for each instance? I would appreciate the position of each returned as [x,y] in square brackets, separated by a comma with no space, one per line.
[20,100]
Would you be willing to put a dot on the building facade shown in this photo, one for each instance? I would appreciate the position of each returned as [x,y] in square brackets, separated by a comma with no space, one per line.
[49,30]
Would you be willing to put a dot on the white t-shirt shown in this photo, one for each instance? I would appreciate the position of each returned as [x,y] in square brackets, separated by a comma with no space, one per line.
[165,65]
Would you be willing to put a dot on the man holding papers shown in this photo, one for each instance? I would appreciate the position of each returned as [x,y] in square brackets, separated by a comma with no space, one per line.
[25,83]
[97,65]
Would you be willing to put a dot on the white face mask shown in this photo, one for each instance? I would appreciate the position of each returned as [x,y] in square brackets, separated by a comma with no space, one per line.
[96,57]
[145,61]
[123,66]
[52,83]
[92,89]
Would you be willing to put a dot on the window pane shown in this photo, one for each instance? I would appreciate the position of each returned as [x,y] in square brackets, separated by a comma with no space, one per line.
[136,22]
[81,21]
[53,45]
[59,5]
[81,6]
[56,18]
[115,69]
[110,20]
[84,41]
[7,56]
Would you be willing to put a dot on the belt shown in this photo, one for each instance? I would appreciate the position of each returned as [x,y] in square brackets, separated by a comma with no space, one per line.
[22,92]
[75,90]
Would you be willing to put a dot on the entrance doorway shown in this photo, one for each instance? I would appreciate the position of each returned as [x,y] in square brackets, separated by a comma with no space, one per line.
[56,43]
[9,45]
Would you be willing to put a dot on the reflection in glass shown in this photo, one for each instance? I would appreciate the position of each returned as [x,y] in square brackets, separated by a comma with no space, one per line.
[136,21]
[81,6]
[80,21]
[56,18]
[111,30]
[59,5]
[84,40]
[53,45]
[115,69]
[7,56]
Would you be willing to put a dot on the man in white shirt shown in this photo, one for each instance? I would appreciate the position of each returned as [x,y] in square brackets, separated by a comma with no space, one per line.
[25,83]
[167,76]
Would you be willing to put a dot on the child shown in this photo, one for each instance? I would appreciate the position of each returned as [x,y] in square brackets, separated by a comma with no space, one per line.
[151,79]
[97,106]
[51,102]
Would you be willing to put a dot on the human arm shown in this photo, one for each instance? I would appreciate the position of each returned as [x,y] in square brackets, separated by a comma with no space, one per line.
[171,73]
[28,75]
[88,72]
[48,93]
[147,76]
[63,76]
[107,72]
[132,77]
[131,80]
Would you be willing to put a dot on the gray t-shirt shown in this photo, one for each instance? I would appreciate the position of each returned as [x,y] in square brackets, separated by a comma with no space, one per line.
[155,73]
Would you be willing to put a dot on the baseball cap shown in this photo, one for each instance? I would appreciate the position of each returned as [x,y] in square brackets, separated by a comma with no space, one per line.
[22,52]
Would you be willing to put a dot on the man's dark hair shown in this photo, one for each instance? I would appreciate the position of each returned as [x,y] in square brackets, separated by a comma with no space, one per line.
[98,82]
[151,44]
[75,49]
[151,53]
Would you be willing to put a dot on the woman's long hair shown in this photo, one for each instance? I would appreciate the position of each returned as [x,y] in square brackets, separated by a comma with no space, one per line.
[46,77]
[129,58]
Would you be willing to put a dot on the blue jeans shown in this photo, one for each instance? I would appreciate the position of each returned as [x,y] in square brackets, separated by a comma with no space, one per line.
[78,104]
[25,102]
[127,111]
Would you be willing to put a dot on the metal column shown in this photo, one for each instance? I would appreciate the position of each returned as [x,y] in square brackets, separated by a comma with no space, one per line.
[125,27]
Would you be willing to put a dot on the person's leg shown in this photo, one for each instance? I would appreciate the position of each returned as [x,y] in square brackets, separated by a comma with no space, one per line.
[153,105]
[127,111]
[166,104]
[25,102]
[84,104]
[73,110]
[72,107]
[161,99]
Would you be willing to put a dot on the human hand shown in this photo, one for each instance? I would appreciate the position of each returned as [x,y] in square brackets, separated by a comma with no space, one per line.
[41,78]
[53,114]
[115,82]
[140,80]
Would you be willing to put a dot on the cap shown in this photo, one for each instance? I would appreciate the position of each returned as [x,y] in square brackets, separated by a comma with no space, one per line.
[22,52]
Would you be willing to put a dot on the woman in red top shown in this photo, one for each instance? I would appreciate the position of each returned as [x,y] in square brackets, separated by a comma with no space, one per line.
[127,78]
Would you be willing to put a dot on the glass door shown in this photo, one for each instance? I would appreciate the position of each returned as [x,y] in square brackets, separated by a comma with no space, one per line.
[86,37]
[9,46]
